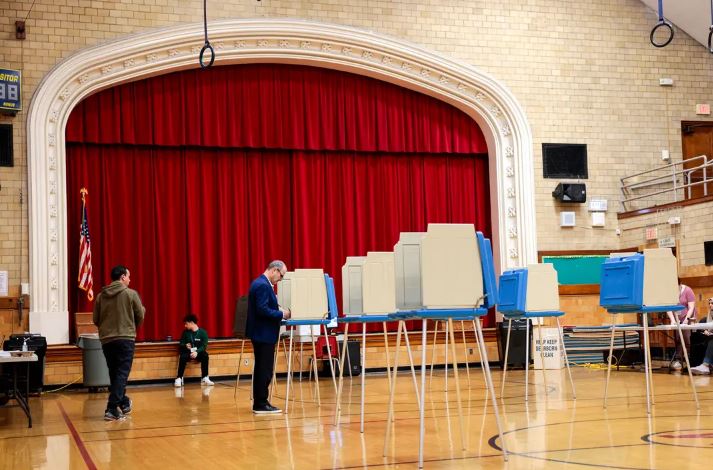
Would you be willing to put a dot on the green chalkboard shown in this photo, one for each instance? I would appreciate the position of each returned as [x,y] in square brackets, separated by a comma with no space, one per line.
[583,269]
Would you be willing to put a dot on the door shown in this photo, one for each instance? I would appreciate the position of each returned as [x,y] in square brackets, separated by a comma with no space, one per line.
[697,139]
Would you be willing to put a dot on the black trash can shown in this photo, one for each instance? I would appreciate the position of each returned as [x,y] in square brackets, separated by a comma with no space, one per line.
[94,369]
[516,355]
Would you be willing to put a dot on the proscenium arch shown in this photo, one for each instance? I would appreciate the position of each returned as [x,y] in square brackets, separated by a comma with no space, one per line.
[139,56]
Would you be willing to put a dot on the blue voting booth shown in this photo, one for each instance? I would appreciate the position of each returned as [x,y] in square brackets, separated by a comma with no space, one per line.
[622,284]
[643,284]
[527,293]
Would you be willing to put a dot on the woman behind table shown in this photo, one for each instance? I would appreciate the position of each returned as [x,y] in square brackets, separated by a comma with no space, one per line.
[687,299]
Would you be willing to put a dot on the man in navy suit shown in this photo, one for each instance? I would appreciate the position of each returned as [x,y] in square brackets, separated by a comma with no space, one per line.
[263,329]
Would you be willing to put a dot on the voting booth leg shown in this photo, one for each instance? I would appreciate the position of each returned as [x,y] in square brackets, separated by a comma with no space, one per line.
[477,343]
[566,359]
[465,349]
[542,354]
[410,358]
[688,364]
[349,363]
[301,357]
[433,350]
[273,383]
[240,363]
[490,388]
[646,363]
[388,355]
[314,368]
[252,380]
[288,358]
[343,353]
[289,372]
[455,373]
[394,374]
[505,362]
[329,355]
[422,404]
[445,363]
[363,374]
[527,357]
[651,374]
[609,358]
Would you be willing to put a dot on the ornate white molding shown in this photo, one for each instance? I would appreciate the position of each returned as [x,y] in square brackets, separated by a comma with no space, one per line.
[353,50]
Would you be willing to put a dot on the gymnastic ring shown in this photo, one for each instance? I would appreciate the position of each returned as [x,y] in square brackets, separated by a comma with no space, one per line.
[206,47]
[666,24]
[710,39]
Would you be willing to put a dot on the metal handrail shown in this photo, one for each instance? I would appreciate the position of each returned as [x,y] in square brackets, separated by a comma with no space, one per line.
[689,185]
[679,179]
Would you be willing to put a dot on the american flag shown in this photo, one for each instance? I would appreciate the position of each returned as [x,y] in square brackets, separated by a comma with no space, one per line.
[86,282]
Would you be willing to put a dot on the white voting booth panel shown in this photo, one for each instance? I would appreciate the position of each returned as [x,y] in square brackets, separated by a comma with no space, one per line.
[352,297]
[378,283]
[542,288]
[304,292]
[660,277]
[451,272]
[543,296]
[368,284]
[407,268]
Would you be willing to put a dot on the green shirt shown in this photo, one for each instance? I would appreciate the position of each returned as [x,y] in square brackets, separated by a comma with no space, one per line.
[198,339]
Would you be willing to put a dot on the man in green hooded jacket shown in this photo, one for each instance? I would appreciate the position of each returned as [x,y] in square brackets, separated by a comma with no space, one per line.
[117,313]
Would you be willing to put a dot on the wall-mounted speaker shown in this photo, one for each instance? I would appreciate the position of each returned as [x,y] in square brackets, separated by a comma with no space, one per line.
[6,145]
[570,192]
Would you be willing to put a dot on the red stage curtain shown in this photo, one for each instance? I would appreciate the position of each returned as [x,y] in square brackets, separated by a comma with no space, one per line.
[196,224]
[273,106]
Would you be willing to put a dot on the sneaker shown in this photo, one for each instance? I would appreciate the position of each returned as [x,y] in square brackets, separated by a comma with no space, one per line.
[178,382]
[206,381]
[703,369]
[266,410]
[125,410]
[113,415]
[676,365]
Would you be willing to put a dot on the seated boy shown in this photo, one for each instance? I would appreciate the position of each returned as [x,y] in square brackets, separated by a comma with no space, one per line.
[192,346]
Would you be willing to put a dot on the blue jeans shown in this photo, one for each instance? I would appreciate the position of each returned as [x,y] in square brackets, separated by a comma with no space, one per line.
[119,356]
[708,359]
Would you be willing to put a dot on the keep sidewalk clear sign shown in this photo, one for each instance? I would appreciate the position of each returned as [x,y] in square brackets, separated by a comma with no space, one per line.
[10,90]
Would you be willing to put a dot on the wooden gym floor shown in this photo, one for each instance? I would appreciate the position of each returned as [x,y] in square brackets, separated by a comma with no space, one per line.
[204,428]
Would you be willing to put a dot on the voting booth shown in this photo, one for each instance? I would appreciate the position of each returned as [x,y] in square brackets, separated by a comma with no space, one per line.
[644,284]
[528,293]
[638,281]
[304,292]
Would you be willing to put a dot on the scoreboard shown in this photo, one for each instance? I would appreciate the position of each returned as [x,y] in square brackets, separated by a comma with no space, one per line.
[10,90]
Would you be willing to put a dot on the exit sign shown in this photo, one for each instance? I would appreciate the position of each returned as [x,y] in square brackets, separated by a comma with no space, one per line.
[703,109]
